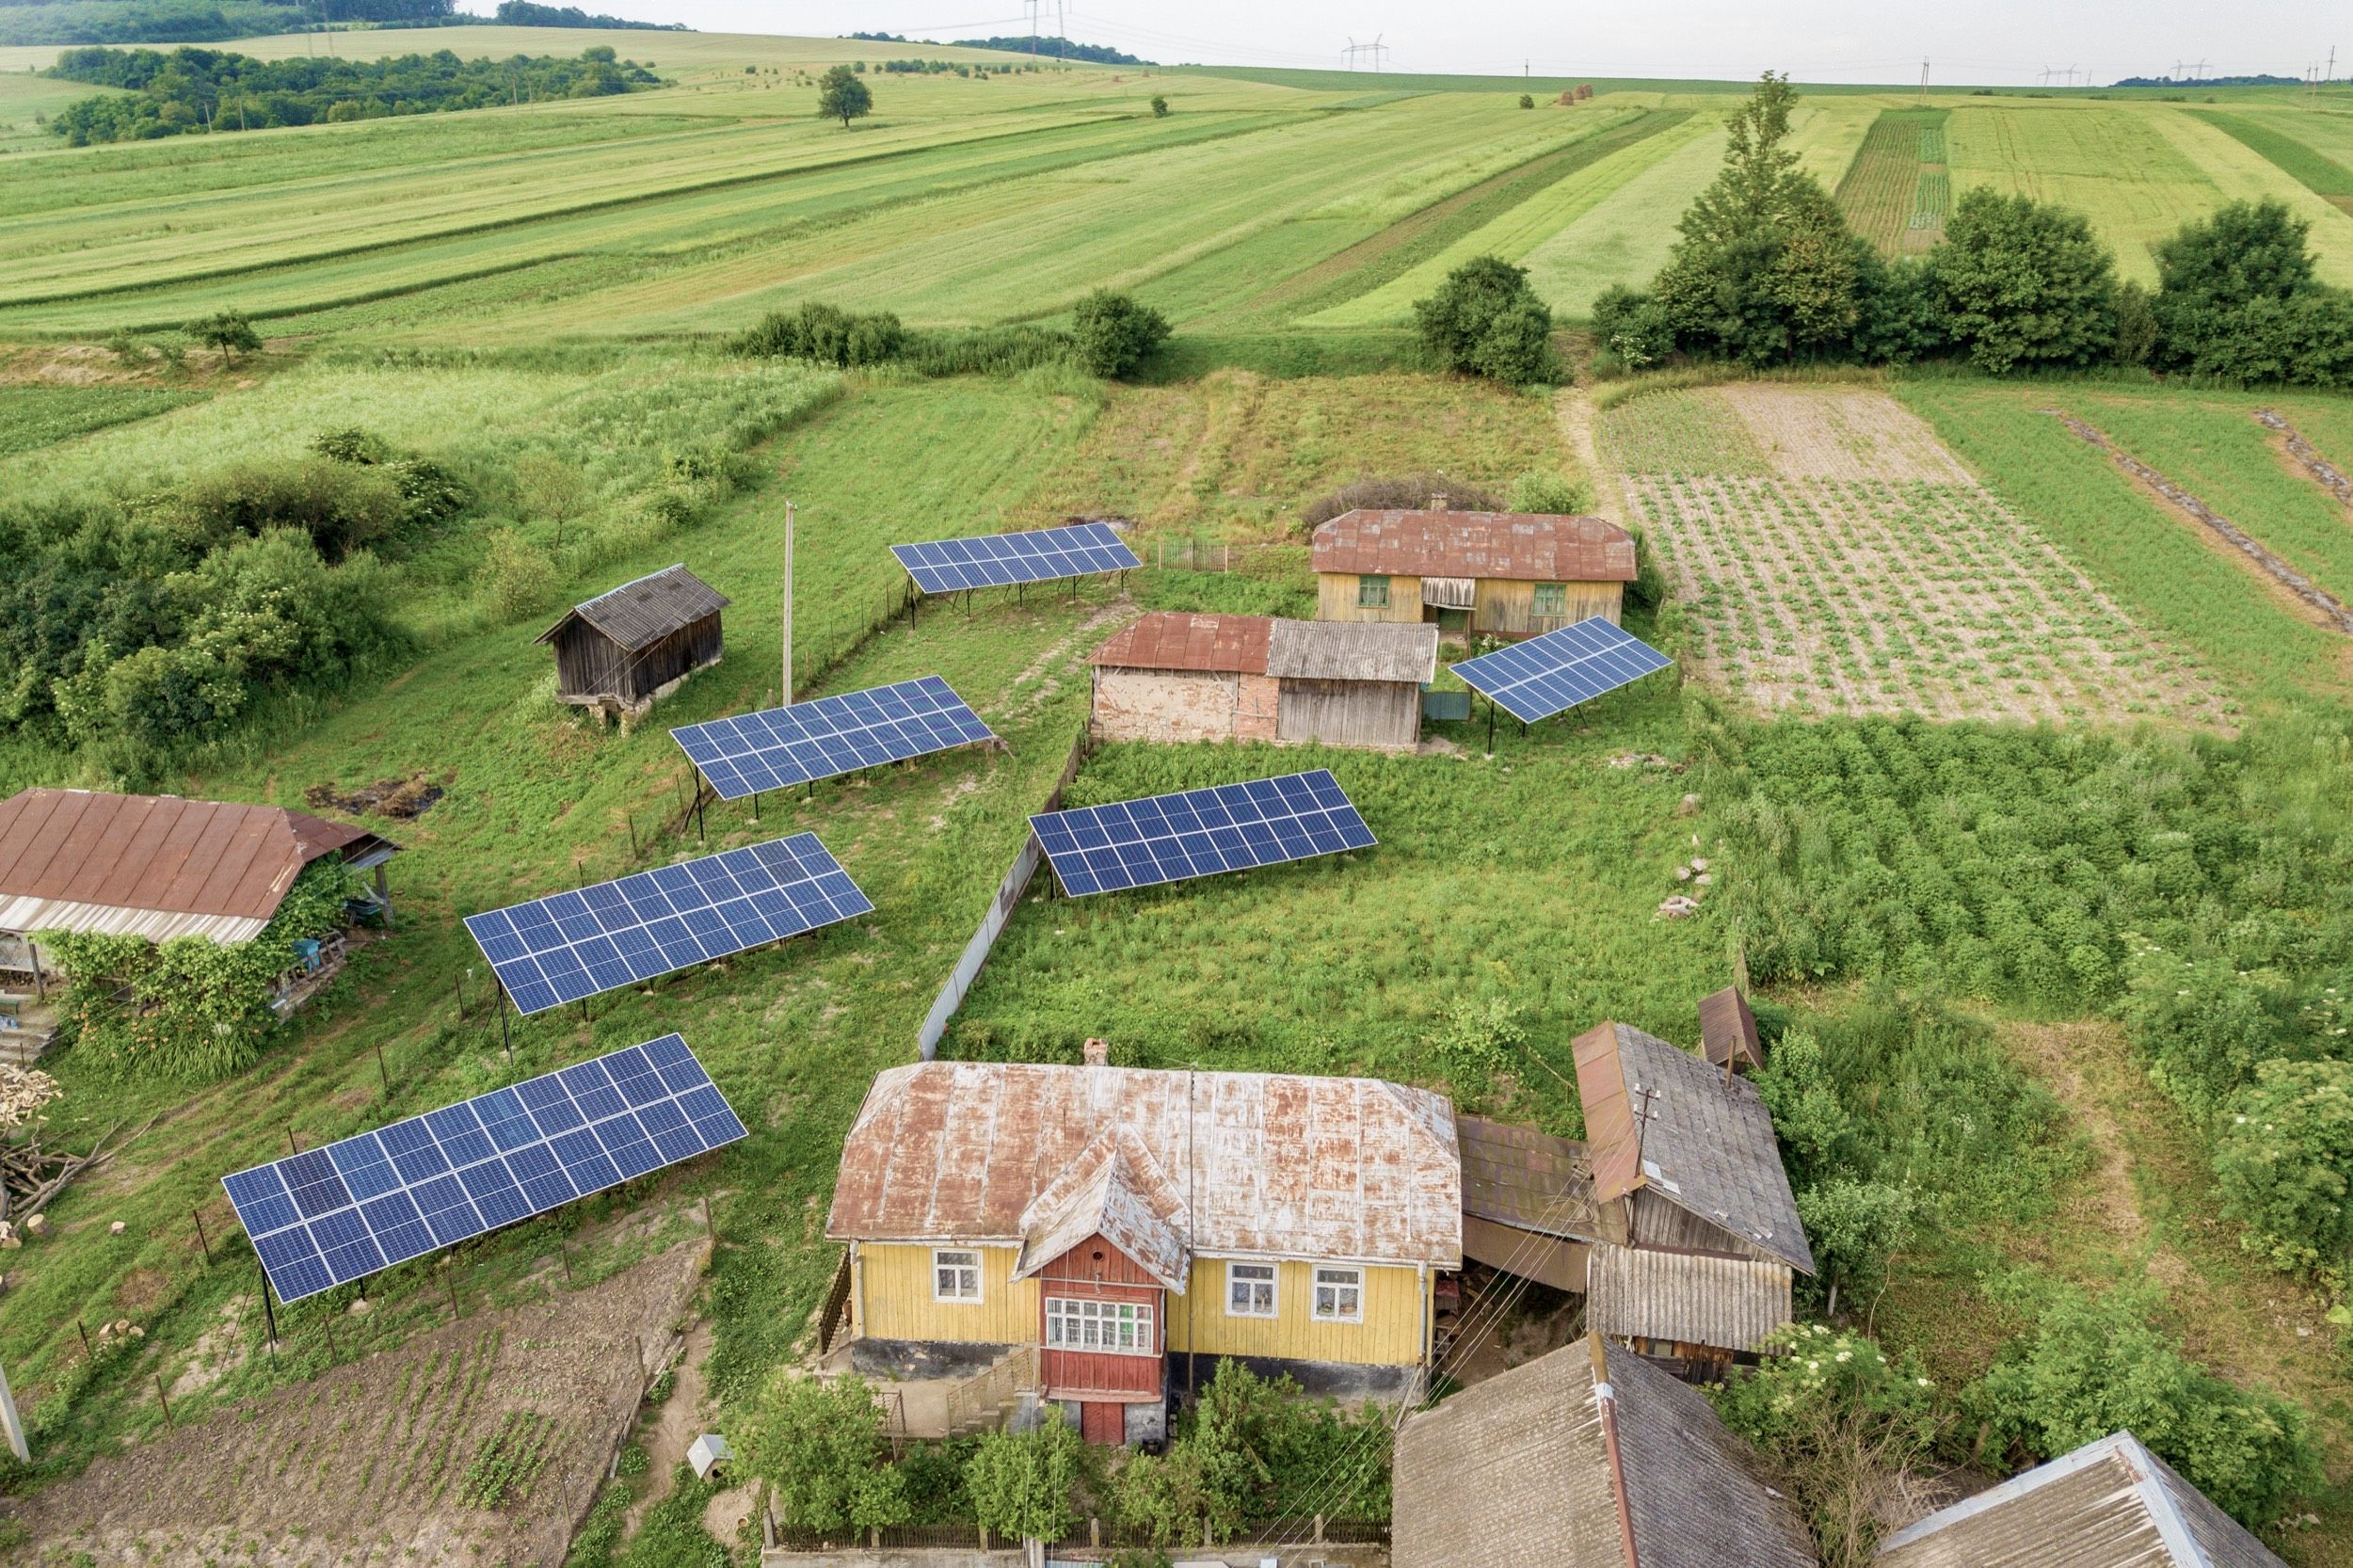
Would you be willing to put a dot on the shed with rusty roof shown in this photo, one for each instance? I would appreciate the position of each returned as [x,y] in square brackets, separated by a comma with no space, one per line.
[1172,676]
[1113,1221]
[1585,1457]
[1506,574]
[630,646]
[2110,1504]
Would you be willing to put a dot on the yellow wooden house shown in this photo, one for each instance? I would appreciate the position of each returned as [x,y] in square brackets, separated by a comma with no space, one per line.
[1505,574]
[1129,1227]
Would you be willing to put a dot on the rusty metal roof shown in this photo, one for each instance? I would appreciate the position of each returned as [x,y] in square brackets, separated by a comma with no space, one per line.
[1728,1029]
[2110,1504]
[1352,650]
[154,866]
[1520,546]
[642,612]
[1115,1189]
[1173,640]
[1522,1469]
[1707,1146]
[1729,1303]
[1265,1164]
[1531,1180]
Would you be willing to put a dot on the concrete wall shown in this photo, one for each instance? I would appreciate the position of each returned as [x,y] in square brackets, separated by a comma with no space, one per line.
[1164,705]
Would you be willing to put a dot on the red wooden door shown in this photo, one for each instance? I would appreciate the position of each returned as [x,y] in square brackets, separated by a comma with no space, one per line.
[1103,1423]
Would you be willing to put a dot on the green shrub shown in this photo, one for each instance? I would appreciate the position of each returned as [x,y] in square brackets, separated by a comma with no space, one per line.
[2025,284]
[517,577]
[2281,1162]
[1113,333]
[1486,319]
[1476,1039]
[1021,1483]
[826,334]
[2199,1026]
[1546,492]
[818,1445]
[341,507]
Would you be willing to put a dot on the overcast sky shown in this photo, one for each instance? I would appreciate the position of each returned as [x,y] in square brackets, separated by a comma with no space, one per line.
[2000,42]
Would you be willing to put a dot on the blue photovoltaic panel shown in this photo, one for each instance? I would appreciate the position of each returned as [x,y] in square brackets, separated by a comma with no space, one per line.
[1227,828]
[1547,674]
[1000,560]
[781,746]
[556,950]
[334,1213]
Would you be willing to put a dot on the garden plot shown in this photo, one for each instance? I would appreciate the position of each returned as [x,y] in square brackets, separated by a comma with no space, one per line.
[474,1444]
[1838,559]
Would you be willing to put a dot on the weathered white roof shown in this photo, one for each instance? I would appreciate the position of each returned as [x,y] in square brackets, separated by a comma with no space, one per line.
[1352,650]
[1260,1165]
[1115,1189]
[1725,1303]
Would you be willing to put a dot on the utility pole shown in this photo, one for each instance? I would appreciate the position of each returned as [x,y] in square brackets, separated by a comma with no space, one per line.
[13,1422]
[1924,78]
[786,687]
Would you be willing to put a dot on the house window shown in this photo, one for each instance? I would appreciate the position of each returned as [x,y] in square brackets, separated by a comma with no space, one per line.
[1552,599]
[1340,1295]
[1250,1290]
[1120,1328]
[955,1276]
[1372,593]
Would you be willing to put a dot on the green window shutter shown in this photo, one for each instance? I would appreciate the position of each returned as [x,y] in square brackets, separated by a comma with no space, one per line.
[1552,599]
[1372,593]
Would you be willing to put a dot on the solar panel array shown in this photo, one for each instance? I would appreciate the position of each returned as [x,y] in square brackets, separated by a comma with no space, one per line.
[333,1214]
[556,950]
[782,747]
[1550,674]
[1226,827]
[1000,560]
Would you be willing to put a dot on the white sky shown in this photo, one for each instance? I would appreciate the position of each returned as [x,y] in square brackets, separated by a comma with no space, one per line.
[1992,41]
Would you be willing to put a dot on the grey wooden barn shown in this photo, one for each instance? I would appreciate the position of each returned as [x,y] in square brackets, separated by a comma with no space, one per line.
[623,650]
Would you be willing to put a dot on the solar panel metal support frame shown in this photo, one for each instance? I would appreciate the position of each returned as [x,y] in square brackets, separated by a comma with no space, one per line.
[1548,675]
[338,1212]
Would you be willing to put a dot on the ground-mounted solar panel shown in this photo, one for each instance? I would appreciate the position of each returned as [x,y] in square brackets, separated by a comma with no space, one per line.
[573,945]
[1550,674]
[333,1214]
[1000,560]
[1226,827]
[778,747]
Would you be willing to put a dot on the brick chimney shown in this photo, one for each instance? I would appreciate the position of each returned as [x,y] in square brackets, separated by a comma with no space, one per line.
[1096,1052]
[1437,503]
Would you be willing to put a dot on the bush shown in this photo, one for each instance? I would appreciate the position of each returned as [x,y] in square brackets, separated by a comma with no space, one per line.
[340,505]
[1405,492]
[1020,1484]
[1548,493]
[228,330]
[825,333]
[1487,320]
[2199,1026]
[818,1445]
[2087,1367]
[1113,333]
[1633,328]
[2239,298]
[990,350]
[518,579]
[2024,284]
[2281,1163]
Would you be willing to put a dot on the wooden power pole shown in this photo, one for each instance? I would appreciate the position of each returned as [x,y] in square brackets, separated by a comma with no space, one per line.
[788,605]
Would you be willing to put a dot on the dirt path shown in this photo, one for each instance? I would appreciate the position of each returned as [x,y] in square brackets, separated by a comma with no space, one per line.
[2301,454]
[681,1422]
[1574,407]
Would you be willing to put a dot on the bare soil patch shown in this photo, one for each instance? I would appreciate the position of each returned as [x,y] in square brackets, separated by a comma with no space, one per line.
[1851,433]
[2301,455]
[401,797]
[367,1464]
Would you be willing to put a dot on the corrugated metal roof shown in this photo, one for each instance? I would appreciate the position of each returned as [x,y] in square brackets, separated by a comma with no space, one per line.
[1709,1147]
[1115,1189]
[1516,1469]
[1517,546]
[2110,1504]
[1173,640]
[642,612]
[1727,1303]
[1265,1164]
[1532,1180]
[1352,650]
[153,865]
[1728,1028]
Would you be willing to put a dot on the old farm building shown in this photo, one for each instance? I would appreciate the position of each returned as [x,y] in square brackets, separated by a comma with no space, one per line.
[1505,574]
[158,867]
[1097,1237]
[2110,1504]
[1179,676]
[622,650]
[1712,1232]
[1589,1457]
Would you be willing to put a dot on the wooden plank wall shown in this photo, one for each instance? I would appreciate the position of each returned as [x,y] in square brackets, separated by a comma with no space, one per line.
[1336,599]
[1352,712]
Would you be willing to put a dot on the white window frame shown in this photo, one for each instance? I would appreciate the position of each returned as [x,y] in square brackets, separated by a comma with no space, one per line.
[1092,1326]
[1337,1284]
[967,1261]
[1259,1278]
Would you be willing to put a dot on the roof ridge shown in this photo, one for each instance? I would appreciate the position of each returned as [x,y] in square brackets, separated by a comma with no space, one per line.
[2165,1510]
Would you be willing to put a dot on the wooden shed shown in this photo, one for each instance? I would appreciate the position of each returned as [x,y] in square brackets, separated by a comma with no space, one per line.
[1506,574]
[1179,677]
[623,651]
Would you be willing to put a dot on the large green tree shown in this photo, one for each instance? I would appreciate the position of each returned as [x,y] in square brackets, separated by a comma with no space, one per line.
[2238,299]
[842,96]
[1766,269]
[2024,284]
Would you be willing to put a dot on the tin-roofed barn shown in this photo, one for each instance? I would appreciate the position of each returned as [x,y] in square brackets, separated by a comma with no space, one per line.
[1586,1458]
[157,867]
[1179,676]
[1507,574]
[1687,1149]
[1100,1237]
[2110,1504]
[623,651]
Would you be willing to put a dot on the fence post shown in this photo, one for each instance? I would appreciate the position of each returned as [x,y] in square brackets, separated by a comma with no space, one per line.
[1318,1540]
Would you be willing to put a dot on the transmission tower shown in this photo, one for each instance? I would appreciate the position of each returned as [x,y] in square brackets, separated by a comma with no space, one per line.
[1376,49]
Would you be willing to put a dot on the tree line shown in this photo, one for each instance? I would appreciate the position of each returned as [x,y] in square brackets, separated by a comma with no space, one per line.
[209,89]
[529,13]
[68,21]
